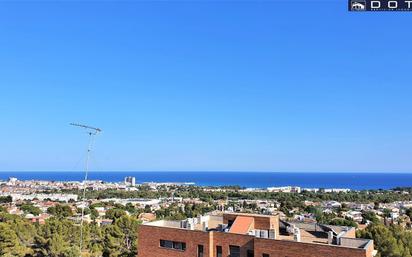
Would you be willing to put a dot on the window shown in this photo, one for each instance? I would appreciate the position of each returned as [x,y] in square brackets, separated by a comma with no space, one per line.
[250,253]
[234,251]
[173,245]
[200,251]
[166,243]
[179,246]
[219,251]
[265,255]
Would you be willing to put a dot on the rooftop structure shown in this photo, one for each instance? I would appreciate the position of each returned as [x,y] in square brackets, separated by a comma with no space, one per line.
[248,235]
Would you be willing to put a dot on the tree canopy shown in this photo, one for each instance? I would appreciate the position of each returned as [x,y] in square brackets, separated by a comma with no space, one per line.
[61,237]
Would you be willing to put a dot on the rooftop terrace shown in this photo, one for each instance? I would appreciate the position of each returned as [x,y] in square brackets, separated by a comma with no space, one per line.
[269,227]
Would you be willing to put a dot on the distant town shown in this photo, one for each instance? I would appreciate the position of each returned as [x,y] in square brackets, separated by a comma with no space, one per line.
[43,194]
[322,216]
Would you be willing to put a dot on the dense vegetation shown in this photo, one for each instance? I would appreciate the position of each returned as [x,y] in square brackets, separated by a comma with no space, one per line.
[5,199]
[365,196]
[60,237]
[390,241]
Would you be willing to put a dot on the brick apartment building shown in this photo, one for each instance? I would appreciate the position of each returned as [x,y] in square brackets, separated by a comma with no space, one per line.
[248,235]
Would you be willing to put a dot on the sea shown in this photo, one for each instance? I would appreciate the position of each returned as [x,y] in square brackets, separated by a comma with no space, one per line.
[349,180]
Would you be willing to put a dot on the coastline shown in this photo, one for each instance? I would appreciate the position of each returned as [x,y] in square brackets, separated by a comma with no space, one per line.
[350,180]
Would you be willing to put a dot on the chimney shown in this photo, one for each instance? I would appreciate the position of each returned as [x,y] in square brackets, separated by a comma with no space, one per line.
[330,237]
[296,235]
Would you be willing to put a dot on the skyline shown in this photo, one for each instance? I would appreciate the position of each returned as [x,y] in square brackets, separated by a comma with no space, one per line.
[205,86]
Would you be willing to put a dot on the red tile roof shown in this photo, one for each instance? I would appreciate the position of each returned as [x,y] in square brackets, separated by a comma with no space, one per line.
[242,225]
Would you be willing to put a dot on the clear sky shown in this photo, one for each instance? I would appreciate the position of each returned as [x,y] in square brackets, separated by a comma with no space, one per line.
[238,86]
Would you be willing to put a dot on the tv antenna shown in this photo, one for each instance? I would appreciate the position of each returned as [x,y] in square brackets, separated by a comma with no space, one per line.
[92,132]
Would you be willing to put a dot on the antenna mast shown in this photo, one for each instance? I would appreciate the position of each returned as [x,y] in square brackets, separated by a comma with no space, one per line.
[91,131]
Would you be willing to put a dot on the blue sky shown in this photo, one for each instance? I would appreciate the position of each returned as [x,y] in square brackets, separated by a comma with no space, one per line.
[239,86]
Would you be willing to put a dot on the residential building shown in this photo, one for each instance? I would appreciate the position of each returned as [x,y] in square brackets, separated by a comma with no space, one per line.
[248,235]
[131,181]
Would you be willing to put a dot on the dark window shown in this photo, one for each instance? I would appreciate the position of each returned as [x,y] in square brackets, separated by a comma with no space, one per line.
[166,243]
[265,255]
[200,251]
[234,251]
[179,246]
[250,253]
[173,245]
[218,251]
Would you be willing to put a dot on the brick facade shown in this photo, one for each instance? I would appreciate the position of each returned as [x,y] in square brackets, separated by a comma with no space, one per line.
[279,248]
[225,239]
[150,236]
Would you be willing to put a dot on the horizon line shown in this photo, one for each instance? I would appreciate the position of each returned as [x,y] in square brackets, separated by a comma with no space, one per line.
[207,171]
